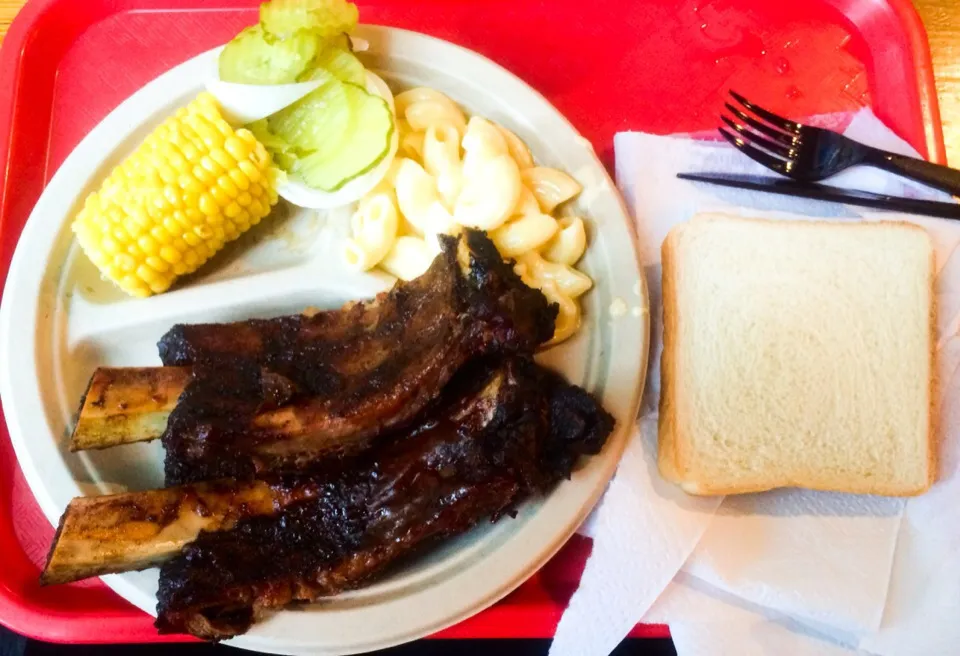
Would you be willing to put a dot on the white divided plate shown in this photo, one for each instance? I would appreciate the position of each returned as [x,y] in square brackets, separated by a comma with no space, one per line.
[59,321]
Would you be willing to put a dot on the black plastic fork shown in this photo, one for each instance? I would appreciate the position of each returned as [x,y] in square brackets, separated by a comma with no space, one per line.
[811,154]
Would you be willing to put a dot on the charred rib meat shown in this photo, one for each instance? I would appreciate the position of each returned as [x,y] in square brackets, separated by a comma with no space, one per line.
[135,530]
[307,454]
[348,375]
[517,438]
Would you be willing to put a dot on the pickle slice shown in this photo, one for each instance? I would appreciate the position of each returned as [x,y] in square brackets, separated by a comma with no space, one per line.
[251,58]
[340,63]
[320,122]
[283,153]
[367,143]
[325,18]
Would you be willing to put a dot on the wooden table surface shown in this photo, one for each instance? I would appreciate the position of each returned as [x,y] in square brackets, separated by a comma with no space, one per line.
[941,17]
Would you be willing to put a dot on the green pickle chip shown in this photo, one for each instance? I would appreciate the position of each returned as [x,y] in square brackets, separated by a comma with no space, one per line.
[325,18]
[341,63]
[367,143]
[338,131]
[320,121]
[253,59]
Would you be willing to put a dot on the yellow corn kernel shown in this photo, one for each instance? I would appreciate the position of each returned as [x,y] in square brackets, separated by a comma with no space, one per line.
[223,158]
[212,166]
[108,245]
[191,152]
[147,273]
[249,170]
[173,198]
[176,159]
[182,221]
[203,248]
[239,178]
[228,186]
[170,254]
[232,210]
[209,134]
[170,225]
[224,128]
[125,262]
[166,171]
[220,196]
[237,148]
[194,184]
[203,174]
[209,206]
[148,245]
[159,233]
[190,183]
[255,208]
[157,263]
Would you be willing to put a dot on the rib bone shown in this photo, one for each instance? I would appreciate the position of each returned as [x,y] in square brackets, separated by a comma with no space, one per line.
[137,530]
[125,405]
[132,404]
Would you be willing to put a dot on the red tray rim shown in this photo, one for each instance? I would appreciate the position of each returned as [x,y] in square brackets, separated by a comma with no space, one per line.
[27,618]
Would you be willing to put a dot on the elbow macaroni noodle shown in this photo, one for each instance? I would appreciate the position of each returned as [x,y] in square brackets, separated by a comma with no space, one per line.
[374,226]
[549,186]
[452,173]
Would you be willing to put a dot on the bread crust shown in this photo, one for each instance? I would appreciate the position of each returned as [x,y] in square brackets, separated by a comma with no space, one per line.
[673,461]
[933,432]
[666,423]
[698,489]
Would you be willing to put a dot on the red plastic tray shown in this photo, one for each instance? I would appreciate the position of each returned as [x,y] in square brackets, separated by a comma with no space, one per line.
[658,65]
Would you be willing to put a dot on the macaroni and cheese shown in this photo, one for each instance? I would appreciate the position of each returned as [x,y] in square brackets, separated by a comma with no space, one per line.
[452,173]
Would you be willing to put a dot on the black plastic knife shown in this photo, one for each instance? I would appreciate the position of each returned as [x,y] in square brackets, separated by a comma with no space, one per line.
[827,193]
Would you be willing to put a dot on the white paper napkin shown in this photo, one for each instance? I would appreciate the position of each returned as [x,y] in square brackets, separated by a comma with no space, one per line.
[726,624]
[823,560]
[923,605]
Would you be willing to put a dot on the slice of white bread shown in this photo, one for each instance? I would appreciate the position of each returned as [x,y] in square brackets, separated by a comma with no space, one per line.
[798,354]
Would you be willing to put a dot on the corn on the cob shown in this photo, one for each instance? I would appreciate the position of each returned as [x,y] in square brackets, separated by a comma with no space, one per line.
[193,185]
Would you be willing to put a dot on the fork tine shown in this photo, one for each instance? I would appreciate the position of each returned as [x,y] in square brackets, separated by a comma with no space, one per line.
[758,140]
[770,117]
[763,128]
[757,155]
